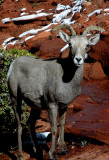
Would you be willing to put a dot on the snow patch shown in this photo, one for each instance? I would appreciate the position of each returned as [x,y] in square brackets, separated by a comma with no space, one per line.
[7,40]
[62,7]
[12,43]
[23,9]
[39,11]
[61,18]
[27,17]
[24,13]
[31,17]
[26,39]
[106,10]
[34,31]
[5,20]
[106,14]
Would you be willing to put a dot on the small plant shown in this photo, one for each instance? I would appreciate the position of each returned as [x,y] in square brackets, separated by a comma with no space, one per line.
[50,37]
[35,4]
[7,117]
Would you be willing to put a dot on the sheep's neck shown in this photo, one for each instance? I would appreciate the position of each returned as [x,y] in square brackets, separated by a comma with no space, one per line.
[69,69]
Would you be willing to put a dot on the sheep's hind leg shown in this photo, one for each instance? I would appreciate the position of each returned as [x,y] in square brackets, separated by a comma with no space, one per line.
[17,111]
[61,143]
[34,115]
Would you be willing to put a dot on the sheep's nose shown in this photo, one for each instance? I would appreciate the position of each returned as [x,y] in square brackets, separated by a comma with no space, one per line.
[78,59]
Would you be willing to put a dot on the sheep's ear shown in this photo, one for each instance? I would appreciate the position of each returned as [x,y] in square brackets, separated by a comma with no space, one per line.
[64,36]
[93,40]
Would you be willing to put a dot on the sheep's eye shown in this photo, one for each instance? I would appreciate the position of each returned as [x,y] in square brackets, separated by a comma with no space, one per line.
[86,47]
[70,45]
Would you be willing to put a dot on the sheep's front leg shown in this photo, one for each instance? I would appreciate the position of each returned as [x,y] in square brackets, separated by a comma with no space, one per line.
[61,143]
[52,113]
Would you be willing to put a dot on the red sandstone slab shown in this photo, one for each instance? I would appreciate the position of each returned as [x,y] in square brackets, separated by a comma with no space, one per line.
[93,118]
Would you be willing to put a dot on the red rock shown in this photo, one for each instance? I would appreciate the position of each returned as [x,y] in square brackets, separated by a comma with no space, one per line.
[93,120]
[86,4]
[51,48]
[54,3]
[100,52]
[105,22]
[50,17]
[89,123]
[96,72]
[76,16]
[33,1]
[87,68]
[36,41]
[93,17]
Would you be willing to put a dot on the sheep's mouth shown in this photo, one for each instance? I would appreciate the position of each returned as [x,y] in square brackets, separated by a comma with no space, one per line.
[78,65]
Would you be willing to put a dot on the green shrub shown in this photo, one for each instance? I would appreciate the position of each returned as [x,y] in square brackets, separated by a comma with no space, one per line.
[7,117]
[1,1]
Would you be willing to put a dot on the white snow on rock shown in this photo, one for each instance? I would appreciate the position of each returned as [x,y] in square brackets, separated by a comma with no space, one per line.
[31,17]
[5,20]
[12,43]
[47,30]
[42,137]
[98,11]
[32,33]
[106,14]
[35,31]
[95,12]
[23,13]
[61,18]
[106,10]
[26,39]
[23,9]
[27,17]
[7,40]
[78,6]
[62,7]
[39,11]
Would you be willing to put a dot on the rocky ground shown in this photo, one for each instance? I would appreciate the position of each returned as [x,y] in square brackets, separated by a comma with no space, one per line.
[87,118]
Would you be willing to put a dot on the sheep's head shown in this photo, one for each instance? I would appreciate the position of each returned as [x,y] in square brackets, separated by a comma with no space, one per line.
[79,43]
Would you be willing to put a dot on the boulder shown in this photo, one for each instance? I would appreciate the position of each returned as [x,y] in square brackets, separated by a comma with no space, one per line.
[94,71]
[76,16]
[100,52]
[51,48]
[91,119]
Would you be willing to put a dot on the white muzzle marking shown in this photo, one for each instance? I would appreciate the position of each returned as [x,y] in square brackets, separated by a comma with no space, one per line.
[78,60]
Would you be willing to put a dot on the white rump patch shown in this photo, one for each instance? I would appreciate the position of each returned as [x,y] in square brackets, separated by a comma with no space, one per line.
[9,71]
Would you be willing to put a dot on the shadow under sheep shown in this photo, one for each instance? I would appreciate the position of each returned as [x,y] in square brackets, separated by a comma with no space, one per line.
[8,143]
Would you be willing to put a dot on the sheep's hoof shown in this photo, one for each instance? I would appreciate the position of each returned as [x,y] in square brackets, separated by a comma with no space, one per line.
[53,155]
[20,157]
[63,148]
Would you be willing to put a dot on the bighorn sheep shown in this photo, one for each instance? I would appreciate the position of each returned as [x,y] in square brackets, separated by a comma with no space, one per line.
[49,84]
